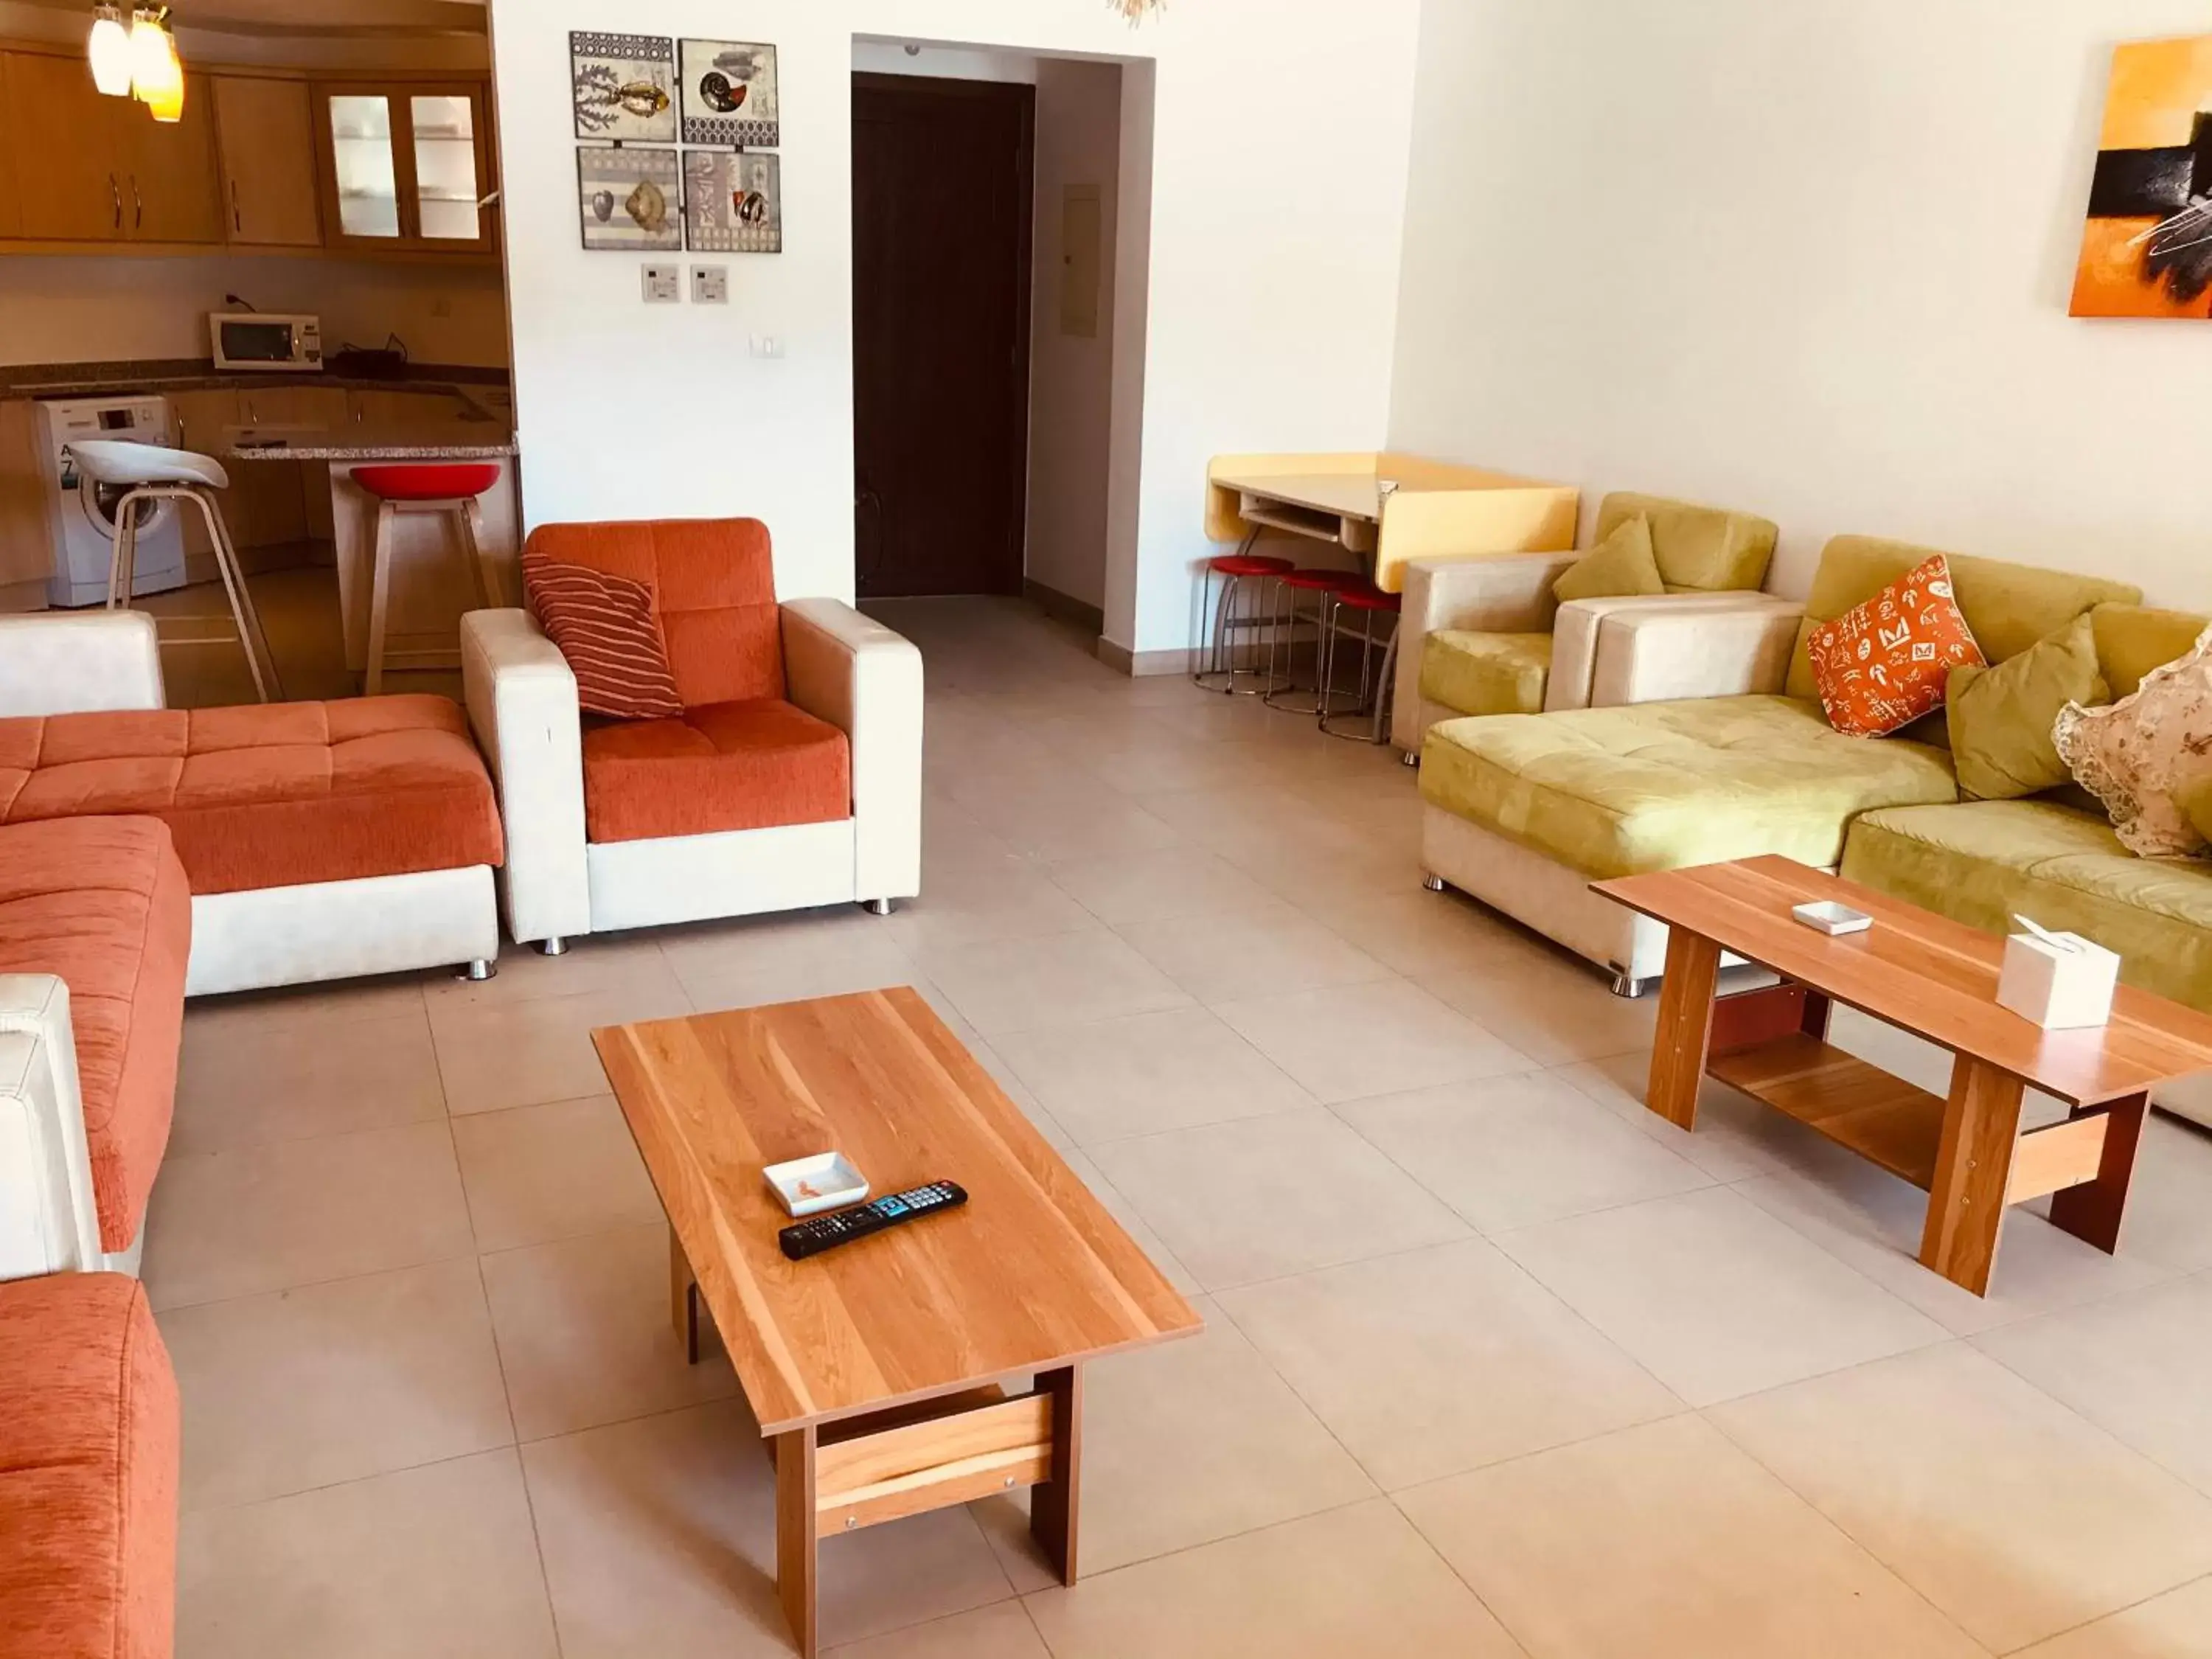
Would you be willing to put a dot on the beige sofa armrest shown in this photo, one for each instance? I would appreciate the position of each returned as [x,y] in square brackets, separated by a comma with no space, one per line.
[72,663]
[1666,654]
[866,681]
[49,1219]
[522,706]
[1491,594]
[1581,626]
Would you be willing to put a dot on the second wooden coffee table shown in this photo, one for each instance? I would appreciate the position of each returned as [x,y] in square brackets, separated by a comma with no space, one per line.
[875,1369]
[1938,980]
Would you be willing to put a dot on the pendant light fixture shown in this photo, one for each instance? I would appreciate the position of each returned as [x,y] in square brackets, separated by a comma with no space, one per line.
[157,75]
[109,49]
[1136,10]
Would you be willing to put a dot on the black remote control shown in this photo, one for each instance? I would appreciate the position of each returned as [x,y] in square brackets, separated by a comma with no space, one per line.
[822,1232]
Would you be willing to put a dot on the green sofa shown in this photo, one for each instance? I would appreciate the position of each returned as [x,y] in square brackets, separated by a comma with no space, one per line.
[1523,812]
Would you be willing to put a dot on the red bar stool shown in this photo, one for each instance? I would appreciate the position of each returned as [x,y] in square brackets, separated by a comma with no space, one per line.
[1314,698]
[1220,663]
[1369,604]
[445,487]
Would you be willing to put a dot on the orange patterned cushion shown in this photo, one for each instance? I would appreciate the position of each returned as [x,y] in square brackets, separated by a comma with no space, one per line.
[607,628]
[1881,666]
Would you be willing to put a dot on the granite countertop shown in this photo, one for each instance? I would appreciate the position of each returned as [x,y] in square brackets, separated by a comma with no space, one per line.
[200,374]
[364,443]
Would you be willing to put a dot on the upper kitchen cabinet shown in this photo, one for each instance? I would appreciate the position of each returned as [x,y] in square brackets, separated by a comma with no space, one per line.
[405,164]
[85,168]
[265,135]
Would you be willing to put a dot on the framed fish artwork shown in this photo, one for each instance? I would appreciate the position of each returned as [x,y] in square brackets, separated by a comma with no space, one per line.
[630,200]
[729,94]
[732,202]
[624,86]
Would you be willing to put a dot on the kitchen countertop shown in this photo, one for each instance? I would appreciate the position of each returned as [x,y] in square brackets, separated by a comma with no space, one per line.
[363,443]
[199,375]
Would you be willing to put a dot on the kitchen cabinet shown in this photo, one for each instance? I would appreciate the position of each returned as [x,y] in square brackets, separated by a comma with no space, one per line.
[265,135]
[11,189]
[405,165]
[26,541]
[87,168]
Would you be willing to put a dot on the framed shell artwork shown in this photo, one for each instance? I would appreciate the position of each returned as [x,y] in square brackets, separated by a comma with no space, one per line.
[624,86]
[732,202]
[729,92]
[629,201]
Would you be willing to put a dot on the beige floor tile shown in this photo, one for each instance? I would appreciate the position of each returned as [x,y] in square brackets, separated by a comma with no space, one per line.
[535,1173]
[659,1538]
[2175,1626]
[1001,1630]
[1008,898]
[1873,1221]
[841,942]
[584,1336]
[1267,1196]
[1715,1297]
[1191,1441]
[1161,884]
[1230,956]
[1737,1137]
[295,1213]
[1046,815]
[611,962]
[1554,1008]
[1663,1542]
[1507,1151]
[1433,1362]
[494,1055]
[385,997]
[308,1387]
[2139,1365]
[1351,1583]
[242,1084]
[2168,1220]
[1355,1041]
[1016,985]
[2004,1509]
[435,1561]
[1147,1073]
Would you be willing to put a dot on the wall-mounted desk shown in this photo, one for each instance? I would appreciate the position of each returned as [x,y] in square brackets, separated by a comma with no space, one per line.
[1386,509]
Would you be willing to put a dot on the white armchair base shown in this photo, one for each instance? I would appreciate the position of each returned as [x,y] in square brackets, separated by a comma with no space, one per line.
[49,1220]
[740,872]
[342,930]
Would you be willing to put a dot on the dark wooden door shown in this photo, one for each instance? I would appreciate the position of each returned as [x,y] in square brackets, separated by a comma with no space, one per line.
[941,179]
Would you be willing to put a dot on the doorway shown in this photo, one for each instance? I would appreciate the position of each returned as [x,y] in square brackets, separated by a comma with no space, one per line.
[942,177]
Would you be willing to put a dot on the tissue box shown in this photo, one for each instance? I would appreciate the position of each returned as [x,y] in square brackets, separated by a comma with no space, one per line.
[2059,989]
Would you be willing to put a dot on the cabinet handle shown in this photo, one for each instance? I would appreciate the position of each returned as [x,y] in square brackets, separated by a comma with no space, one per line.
[237,222]
[137,205]
[115,191]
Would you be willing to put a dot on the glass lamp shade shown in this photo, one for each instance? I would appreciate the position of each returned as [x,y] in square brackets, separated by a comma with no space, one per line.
[156,76]
[109,51]
[167,105]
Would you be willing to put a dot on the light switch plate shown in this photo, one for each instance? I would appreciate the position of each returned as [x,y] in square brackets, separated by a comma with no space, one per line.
[710,285]
[664,285]
[768,345]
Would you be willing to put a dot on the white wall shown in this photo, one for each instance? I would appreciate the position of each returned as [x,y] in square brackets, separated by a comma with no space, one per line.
[1274,235]
[1812,260]
[944,63]
[58,309]
[1078,141]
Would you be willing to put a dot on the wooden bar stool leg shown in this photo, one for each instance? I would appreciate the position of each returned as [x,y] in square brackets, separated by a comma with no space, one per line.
[380,599]
[123,568]
[471,517]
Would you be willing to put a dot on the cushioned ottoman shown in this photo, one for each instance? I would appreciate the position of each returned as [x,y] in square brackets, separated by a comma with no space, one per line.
[102,904]
[88,1472]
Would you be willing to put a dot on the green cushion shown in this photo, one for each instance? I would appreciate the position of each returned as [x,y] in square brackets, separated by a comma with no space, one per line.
[1485,673]
[1979,862]
[1659,785]
[1620,567]
[2008,606]
[2000,718]
[1701,549]
[2134,638]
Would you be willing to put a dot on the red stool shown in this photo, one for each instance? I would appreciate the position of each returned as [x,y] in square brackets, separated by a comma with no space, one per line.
[443,487]
[1314,698]
[1220,663]
[1369,604]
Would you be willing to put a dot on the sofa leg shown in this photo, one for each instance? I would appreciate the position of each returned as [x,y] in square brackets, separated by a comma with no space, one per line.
[876,907]
[477,971]
[1434,883]
[555,946]
[1624,986]
[1409,757]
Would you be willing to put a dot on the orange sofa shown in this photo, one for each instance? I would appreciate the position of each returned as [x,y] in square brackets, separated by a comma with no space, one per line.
[88,1472]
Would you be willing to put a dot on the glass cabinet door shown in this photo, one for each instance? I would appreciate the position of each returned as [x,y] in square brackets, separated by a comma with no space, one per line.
[366,165]
[446,187]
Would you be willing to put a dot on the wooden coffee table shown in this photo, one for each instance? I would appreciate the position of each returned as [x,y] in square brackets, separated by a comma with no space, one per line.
[1938,980]
[875,1369]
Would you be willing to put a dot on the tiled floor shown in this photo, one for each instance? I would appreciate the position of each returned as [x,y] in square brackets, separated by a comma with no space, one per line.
[1495,1361]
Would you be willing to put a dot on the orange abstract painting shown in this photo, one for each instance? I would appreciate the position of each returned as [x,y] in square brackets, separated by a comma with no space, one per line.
[2147,251]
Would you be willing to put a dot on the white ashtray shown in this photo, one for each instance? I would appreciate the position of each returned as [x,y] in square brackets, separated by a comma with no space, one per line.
[1826,916]
[809,1186]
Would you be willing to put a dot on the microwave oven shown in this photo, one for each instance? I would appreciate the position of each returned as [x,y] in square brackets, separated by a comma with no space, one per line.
[265,340]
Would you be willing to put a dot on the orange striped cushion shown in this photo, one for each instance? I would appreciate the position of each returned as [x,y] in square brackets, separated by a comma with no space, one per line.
[608,629]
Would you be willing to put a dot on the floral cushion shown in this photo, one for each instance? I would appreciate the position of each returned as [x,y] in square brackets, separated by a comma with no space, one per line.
[1884,663]
[2140,755]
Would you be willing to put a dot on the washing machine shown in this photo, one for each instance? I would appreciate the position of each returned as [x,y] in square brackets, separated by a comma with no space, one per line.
[81,513]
